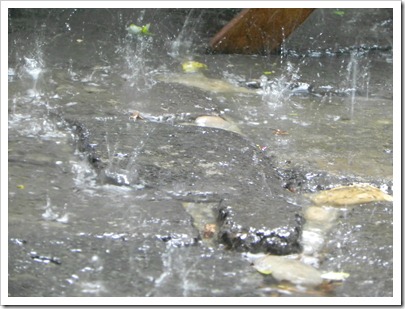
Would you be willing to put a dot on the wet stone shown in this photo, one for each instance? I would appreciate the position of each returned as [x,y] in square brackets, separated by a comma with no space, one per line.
[201,165]
[275,229]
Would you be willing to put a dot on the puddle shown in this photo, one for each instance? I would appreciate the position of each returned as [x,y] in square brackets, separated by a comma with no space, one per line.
[153,206]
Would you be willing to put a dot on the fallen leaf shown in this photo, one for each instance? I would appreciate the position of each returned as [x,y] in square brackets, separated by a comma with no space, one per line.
[216,122]
[209,230]
[335,276]
[282,268]
[279,132]
[136,115]
[193,66]
[350,195]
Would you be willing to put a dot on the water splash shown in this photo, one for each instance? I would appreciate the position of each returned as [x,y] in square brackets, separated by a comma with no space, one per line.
[51,215]
[357,81]
[283,48]
[138,54]
[352,80]
[68,20]
[319,221]
[276,91]
[34,68]
[176,272]
[182,45]
[32,63]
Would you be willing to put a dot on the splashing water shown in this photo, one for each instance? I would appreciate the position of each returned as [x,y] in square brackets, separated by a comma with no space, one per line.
[275,90]
[51,215]
[352,79]
[34,68]
[183,44]
[137,51]
[357,77]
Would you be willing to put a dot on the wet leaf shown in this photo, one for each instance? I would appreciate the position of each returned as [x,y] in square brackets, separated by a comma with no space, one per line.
[136,30]
[217,122]
[264,271]
[282,268]
[279,132]
[193,66]
[209,230]
[136,115]
[335,276]
[339,12]
[350,195]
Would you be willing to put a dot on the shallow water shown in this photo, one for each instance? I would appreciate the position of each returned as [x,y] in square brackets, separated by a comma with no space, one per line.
[131,240]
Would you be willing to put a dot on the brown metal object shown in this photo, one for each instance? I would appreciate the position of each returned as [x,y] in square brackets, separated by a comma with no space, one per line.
[258,31]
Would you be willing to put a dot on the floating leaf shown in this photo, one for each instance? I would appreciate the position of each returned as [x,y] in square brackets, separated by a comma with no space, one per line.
[335,276]
[21,187]
[268,72]
[350,195]
[282,268]
[193,66]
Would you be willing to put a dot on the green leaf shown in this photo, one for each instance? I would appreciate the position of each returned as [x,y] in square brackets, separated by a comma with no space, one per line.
[136,30]
[282,268]
[339,12]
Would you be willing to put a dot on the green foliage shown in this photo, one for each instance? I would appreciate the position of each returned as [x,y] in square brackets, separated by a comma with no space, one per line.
[339,12]
[136,30]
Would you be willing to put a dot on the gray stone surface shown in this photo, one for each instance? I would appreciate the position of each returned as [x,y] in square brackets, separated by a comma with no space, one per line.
[198,164]
[75,233]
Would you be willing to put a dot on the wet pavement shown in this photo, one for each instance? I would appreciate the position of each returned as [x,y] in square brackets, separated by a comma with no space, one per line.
[105,204]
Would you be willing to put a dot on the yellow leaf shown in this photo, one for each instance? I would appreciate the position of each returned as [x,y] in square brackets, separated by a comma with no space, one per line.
[264,271]
[193,66]
[350,195]
[335,276]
